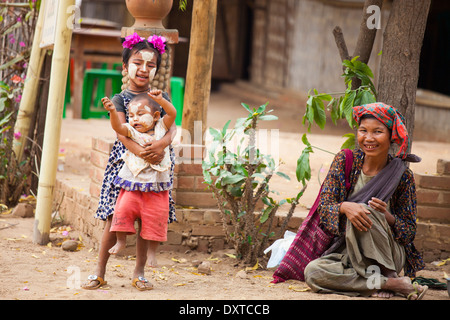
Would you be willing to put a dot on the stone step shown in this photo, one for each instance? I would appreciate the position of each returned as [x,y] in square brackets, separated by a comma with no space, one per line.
[427,181]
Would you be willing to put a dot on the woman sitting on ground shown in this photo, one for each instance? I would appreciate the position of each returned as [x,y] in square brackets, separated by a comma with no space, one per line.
[376,220]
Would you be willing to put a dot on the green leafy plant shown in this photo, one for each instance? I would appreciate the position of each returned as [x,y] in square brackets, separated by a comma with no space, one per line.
[239,181]
[13,174]
[182,5]
[17,24]
[339,105]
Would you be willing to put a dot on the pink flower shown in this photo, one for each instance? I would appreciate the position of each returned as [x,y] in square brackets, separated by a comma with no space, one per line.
[159,43]
[19,97]
[17,135]
[131,40]
[16,79]
[22,44]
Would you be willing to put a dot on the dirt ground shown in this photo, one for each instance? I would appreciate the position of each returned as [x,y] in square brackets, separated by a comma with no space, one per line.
[32,272]
[29,271]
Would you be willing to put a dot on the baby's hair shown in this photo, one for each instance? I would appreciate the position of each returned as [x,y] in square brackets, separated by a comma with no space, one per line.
[143,45]
[144,97]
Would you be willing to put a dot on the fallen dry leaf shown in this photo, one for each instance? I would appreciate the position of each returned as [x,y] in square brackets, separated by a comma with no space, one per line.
[299,289]
[255,267]
[443,262]
[179,284]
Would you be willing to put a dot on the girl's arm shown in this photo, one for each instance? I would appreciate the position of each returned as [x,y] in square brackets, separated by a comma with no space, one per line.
[171,112]
[116,123]
[154,151]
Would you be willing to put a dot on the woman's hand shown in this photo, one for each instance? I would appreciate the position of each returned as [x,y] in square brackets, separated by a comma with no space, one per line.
[153,152]
[357,214]
[378,205]
[381,206]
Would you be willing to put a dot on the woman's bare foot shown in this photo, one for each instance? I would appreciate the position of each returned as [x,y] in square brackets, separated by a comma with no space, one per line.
[383,294]
[403,286]
[386,294]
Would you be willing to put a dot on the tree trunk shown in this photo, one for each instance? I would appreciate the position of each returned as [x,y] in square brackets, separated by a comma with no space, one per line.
[399,68]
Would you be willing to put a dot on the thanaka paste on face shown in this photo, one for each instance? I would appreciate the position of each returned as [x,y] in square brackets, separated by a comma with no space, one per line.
[134,107]
[152,74]
[146,120]
[132,69]
[146,56]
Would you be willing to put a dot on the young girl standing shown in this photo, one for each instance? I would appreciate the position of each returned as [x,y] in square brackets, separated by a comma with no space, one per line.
[141,59]
[145,187]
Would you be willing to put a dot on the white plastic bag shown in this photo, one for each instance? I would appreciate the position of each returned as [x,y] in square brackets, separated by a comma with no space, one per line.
[279,249]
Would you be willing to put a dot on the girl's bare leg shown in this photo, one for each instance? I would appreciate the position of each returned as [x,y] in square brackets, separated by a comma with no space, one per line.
[107,241]
[141,258]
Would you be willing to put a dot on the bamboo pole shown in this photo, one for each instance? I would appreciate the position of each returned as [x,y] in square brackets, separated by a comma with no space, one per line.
[52,133]
[198,76]
[30,88]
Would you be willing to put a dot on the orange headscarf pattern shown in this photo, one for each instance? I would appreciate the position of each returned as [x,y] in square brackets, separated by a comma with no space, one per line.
[392,119]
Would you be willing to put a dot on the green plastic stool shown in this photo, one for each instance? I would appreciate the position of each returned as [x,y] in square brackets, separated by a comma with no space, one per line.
[89,110]
[67,96]
[177,93]
[101,85]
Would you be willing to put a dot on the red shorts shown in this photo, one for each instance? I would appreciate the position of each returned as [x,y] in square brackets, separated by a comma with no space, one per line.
[151,207]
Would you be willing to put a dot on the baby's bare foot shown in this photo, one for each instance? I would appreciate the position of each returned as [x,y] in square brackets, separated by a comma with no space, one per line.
[119,246]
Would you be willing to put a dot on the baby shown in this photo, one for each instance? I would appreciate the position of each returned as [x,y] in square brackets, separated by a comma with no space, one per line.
[144,193]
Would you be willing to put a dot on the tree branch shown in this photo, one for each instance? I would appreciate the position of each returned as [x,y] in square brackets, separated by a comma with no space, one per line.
[340,43]
[365,40]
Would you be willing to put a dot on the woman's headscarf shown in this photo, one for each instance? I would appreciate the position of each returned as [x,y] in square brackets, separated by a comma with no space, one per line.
[392,119]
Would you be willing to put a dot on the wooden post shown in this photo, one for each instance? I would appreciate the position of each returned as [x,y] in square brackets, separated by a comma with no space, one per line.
[198,76]
[58,76]
[30,89]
